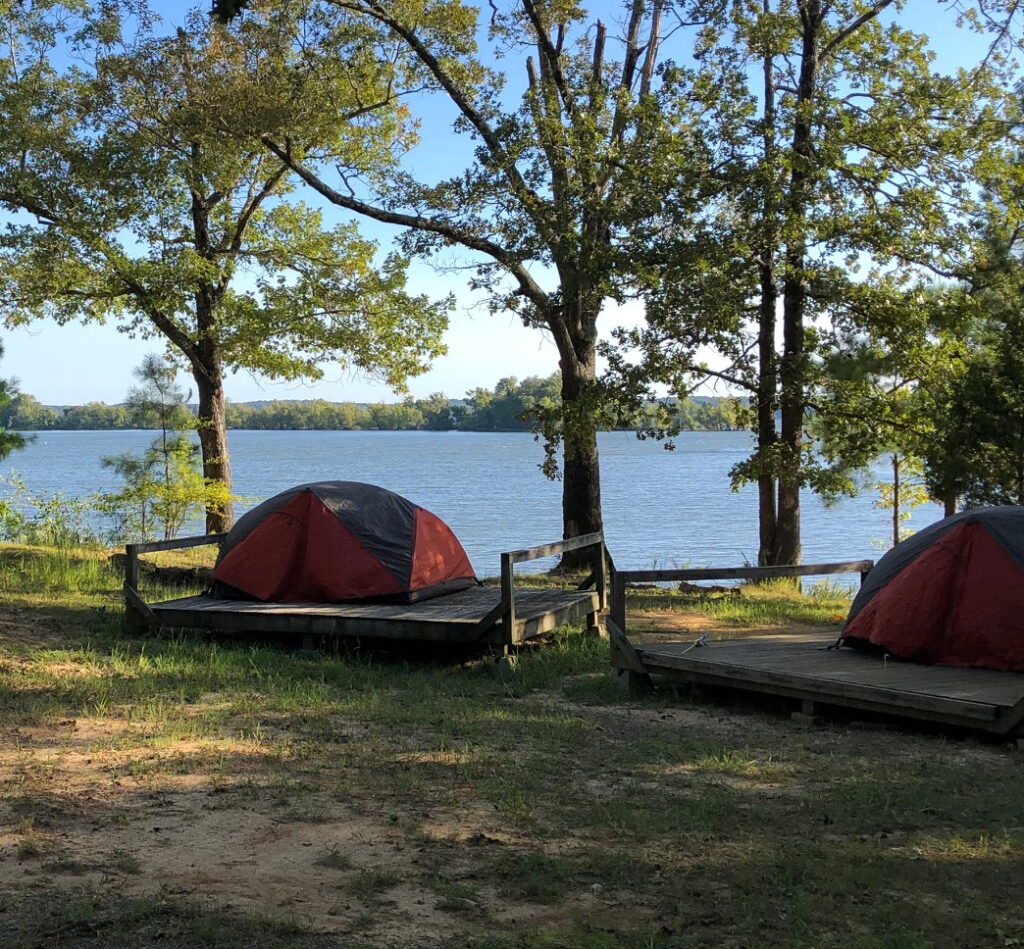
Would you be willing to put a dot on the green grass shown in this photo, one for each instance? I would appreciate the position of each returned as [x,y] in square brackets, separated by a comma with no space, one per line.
[533,810]
[773,603]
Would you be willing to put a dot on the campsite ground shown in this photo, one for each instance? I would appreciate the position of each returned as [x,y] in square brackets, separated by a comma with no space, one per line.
[186,793]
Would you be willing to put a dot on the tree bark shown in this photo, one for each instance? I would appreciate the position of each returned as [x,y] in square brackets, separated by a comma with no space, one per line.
[895,459]
[767,369]
[581,469]
[792,366]
[767,436]
[213,439]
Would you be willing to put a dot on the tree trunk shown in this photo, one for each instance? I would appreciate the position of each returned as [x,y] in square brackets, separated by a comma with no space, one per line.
[581,468]
[213,441]
[895,499]
[767,435]
[767,368]
[793,365]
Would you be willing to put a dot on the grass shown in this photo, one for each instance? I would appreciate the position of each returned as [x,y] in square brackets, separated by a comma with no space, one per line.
[436,803]
[771,603]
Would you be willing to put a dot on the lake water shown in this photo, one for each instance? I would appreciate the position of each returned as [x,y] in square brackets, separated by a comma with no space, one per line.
[661,509]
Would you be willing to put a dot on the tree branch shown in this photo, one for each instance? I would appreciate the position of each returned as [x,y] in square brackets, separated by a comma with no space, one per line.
[530,200]
[852,27]
[527,285]
[253,203]
[550,56]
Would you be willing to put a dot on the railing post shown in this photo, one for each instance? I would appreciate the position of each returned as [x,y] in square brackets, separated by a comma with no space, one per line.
[618,604]
[601,575]
[508,596]
[131,566]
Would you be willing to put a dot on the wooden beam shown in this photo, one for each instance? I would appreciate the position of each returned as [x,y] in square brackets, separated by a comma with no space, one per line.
[135,602]
[487,622]
[624,656]
[601,573]
[131,566]
[558,547]
[178,543]
[745,573]
[617,609]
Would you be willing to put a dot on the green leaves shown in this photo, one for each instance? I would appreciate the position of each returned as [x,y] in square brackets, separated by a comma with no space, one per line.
[140,191]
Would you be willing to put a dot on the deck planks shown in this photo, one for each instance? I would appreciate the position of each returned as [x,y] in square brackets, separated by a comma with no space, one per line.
[801,666]
[450,618]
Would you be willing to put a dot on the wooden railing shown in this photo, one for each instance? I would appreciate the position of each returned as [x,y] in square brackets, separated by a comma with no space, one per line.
[132,598]
[598,574]
[621,578]
[132,551]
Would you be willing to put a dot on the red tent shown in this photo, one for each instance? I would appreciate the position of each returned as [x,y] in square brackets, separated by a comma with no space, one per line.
[952,593]
[340,540]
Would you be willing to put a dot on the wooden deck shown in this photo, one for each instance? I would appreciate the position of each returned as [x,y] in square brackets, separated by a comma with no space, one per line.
[463,617]
[505,615]
[803,667]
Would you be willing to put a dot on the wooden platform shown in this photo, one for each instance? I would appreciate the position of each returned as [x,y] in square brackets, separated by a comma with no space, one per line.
[456,618]
[802,667]
[504,615]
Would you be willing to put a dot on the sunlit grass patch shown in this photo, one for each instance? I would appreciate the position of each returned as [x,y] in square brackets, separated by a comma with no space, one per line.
[756,605]
[27,570]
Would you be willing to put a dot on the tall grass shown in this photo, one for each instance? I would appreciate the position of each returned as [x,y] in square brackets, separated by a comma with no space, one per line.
[55,570]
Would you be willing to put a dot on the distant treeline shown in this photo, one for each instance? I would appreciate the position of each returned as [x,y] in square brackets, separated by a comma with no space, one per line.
[508,407]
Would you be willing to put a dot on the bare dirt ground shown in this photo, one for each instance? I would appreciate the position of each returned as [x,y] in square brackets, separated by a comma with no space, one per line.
[92,805]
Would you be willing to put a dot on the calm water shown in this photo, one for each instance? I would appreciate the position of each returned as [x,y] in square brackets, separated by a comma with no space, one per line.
[661,508]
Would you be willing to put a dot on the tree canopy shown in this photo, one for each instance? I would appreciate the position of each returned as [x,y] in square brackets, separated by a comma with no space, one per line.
[139,194]
[848,165]
[561,136]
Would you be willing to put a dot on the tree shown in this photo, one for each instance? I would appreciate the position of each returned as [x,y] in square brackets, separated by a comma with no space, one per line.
[438,413]
[9,441]
[552,183]
[394,417]
[139,194]
[25,413]
[847,165]
[163,487]
[980,402]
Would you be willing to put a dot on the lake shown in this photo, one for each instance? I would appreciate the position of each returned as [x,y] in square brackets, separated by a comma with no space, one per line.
[661,509]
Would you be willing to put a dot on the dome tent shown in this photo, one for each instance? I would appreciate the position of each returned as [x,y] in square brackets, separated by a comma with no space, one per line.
[332,541]
[952,593]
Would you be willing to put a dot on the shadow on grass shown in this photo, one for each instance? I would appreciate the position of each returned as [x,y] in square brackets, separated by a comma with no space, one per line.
[98,917]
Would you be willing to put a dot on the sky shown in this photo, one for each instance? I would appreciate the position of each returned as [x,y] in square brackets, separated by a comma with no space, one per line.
[75,363]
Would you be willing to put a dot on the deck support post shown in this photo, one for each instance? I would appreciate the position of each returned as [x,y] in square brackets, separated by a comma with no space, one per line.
[805,716]
[508,597]
[628,670]
[134,621]
[635,684]
[507,663]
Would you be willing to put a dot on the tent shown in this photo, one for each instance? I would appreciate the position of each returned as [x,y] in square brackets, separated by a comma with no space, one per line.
[952,593]
[332,541]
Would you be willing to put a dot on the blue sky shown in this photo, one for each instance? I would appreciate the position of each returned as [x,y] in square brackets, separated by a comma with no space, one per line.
[77,363]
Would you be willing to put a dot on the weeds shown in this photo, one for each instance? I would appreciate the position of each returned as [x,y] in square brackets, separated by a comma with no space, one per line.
[334,858]
[371,885]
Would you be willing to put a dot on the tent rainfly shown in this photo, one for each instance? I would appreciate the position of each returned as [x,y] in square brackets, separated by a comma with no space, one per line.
[952,593]
[333,541]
